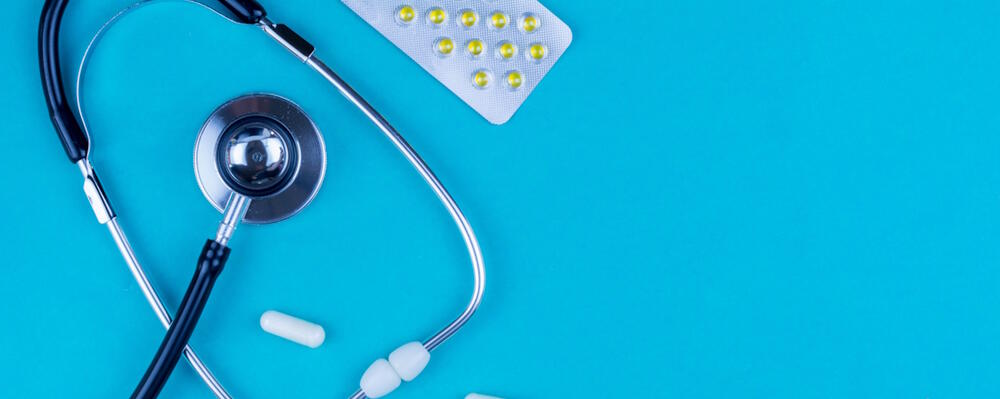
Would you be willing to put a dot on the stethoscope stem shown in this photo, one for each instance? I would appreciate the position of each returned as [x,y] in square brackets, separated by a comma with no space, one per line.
[212,260]
[236,208]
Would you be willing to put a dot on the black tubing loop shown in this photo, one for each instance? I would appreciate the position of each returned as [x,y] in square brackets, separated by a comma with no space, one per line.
[72,136]
[248,11]
[210,263]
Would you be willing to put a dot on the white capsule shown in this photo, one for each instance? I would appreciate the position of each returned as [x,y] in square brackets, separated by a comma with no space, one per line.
[480,396]
[293,328]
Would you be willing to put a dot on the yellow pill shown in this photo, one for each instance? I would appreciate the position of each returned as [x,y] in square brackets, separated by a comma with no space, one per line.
[469,18]
[481,79]
[406,14]
[475,47]
[437,16]
[499,20]
[537,51]
[445,46]
[530,23]
[515,79]
[507,50]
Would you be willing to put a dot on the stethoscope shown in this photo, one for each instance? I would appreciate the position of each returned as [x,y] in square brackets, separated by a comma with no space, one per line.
[259,159]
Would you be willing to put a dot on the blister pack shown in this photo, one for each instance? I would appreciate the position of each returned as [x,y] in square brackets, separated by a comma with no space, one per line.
[492,54]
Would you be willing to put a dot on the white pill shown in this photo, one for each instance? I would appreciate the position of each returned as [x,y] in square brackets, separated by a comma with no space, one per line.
[292,328]
[480,396]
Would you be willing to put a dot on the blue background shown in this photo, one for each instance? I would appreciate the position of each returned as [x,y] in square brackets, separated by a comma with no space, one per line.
[704,199]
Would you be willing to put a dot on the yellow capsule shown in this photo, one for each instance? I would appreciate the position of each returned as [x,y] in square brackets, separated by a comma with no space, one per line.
[475,47]
[499,20]
[515,79]
[530,23]
[445,46]
[537,51]
[468,18]
[437,16]
[507,50]
[481,79]
[406,14]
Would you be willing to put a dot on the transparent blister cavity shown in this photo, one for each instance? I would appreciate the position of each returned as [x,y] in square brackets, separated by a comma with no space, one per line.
[491,53]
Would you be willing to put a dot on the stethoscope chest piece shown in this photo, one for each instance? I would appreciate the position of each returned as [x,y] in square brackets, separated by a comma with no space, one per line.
[264,147]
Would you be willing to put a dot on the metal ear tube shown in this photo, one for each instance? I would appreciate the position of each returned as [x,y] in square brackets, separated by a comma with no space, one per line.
[303,50]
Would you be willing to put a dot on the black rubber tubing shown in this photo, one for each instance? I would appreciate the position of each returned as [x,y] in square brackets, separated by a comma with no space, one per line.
[247,11]
[72,136]
[210,263]
[76,144]
[74,139]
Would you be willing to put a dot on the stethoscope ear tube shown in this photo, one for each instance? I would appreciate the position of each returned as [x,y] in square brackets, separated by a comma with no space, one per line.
[210,263]
[74,139]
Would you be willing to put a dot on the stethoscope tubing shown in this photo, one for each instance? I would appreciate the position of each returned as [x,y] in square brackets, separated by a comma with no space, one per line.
[210,264]
[459,218]
[114,227]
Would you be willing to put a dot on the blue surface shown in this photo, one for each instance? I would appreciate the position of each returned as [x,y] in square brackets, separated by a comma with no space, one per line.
[704,199]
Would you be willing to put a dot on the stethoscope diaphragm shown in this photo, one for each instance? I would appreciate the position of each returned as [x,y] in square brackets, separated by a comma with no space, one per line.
[265,147]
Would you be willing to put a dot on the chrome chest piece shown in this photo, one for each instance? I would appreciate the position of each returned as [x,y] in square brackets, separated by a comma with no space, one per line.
[265,147]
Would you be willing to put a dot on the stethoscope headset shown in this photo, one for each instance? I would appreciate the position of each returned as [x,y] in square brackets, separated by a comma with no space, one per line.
[259,159]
